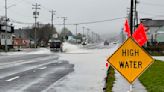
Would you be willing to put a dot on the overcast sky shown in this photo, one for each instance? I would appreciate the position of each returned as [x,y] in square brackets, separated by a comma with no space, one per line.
[78,11]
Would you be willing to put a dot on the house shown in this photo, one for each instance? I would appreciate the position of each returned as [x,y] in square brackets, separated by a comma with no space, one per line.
[155,33]
[6,36]
[21,38]
[153,29]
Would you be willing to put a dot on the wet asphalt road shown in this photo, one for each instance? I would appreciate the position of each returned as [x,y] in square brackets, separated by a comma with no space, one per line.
[31,73]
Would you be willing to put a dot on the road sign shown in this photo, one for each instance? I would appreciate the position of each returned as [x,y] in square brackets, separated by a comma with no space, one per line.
[130,60]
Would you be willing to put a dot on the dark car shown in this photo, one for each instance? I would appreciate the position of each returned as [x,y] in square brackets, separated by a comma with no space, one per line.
[106,43]
[56,45]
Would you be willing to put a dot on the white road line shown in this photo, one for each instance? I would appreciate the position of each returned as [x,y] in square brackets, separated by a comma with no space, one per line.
[11,79]
[42,68]
[12,62]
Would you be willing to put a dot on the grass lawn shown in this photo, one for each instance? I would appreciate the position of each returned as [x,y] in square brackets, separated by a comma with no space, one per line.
[153,77]
[110,79]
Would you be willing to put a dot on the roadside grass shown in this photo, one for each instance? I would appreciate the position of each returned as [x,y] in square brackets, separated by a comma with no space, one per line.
[153,77]
[110,79]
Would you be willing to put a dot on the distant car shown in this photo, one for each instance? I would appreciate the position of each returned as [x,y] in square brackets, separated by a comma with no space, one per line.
[56,45]
[106,43]
[114,42]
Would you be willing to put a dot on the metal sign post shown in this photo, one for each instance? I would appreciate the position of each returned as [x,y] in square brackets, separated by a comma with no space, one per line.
[131,88]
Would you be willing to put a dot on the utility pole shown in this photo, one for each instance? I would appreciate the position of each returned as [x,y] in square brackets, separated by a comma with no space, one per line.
[64,19]
[131,16]
[88,32]
[92,37]
[76,32]
[6,48]
[83,30]
[96,37]
[36,7]
[52,18]
[131,29]
[20,39]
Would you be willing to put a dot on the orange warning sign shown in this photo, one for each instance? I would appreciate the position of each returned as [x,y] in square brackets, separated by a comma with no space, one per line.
[130,60]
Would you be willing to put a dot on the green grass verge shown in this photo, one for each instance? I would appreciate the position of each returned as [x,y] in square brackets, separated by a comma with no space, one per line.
[110,79]
[153,78]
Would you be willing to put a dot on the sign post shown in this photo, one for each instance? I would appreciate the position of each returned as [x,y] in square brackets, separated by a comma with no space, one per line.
[130,60]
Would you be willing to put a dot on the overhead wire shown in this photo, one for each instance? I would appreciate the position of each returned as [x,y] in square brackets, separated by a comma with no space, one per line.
[99,21]
[80,23]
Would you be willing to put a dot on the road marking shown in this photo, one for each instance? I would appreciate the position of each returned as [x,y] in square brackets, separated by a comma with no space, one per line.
[11,79]
[42,68]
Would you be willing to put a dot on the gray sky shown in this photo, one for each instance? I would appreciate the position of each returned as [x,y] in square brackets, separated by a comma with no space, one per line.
[79,11]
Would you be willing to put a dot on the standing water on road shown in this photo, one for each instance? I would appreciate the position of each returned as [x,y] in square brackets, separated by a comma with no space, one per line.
[89,71]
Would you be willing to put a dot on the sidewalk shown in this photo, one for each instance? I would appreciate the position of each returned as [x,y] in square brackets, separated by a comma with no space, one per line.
[121,85]
[159,58]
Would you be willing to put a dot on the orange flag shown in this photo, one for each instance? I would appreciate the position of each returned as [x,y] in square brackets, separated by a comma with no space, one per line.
[140,35]
[127,28]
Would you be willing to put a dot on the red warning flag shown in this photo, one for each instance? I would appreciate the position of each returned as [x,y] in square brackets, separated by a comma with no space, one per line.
[127,28]
[140,35]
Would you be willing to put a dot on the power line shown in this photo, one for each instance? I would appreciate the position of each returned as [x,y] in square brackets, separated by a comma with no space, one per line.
[91,22]
[99,21]
[19,22]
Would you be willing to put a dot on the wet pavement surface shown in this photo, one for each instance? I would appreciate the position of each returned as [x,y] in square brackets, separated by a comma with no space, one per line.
[122,85]
[31,73]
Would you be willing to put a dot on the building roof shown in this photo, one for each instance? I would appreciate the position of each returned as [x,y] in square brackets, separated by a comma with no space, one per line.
[152,23]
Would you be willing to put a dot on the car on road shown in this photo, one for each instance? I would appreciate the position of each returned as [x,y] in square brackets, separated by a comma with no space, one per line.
[106,43]
[56,45]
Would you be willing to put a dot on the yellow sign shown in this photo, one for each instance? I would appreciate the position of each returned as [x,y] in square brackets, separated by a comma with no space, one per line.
[130,60]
